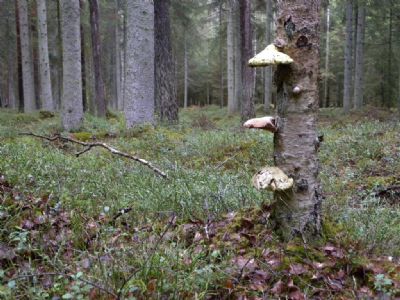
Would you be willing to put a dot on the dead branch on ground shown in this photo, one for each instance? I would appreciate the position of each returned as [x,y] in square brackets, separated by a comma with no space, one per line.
[89,146]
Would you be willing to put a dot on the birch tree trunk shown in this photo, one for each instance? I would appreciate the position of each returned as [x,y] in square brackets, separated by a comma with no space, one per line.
[164,64]
[359,66]
[46,96]
[99,94]
[297,212]
[71,106]
[268,70]
[246,33]
[327,53]
[26,58]
[348,61]
[232,104]
[139,86]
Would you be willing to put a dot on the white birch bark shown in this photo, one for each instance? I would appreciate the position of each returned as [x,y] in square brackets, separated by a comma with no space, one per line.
[359,66]
[26,57]
[71,106]
[46,97]
[139,86]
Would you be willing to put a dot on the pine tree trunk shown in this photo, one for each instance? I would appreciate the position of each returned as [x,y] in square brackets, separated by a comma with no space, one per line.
[164,64]
[83,60]
[221,73]
[268,70]
[19,60]
[295,147]
[117,67]
[99,95]
[139,86]
[11,99]
[46,96]
[348,58]
[389,95]
[186,75]
[60,55]
[238,96]
[232,104]
[72,108]
[327,53]
[246,32]
[359,66]
[26,58]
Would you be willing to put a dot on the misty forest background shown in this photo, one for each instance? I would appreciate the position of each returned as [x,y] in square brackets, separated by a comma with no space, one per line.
[126,172]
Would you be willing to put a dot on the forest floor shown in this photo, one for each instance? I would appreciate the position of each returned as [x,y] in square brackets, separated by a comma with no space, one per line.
[102,227]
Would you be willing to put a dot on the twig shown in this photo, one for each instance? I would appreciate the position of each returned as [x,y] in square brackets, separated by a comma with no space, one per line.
[89,146]
[94,284]
[171,221]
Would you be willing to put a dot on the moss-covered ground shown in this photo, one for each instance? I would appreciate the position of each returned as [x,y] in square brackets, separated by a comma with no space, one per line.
[102,227]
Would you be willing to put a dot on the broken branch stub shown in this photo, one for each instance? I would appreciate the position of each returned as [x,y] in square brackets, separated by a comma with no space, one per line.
[272,179]
[270,56]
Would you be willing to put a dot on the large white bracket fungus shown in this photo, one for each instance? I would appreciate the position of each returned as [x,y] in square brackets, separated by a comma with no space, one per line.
[272,179]
[270,56]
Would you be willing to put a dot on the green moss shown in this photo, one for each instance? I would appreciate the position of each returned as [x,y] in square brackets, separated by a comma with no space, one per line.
[83,136]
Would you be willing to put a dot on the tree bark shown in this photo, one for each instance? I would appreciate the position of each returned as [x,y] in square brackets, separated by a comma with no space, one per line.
[10,67]
[232,104]
[238,96]
[72,108]
[46,96]
[246,33]
[139,86]
[268,70]
[165,91]
[221,72]
[19,60]
[359,66]
[297,212]
[117,67]
[83,61]
[186,73]
[327,53]
[348,57]
[99,95]
[26,58]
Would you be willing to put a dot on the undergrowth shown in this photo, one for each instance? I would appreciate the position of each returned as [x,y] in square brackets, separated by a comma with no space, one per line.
[159,242]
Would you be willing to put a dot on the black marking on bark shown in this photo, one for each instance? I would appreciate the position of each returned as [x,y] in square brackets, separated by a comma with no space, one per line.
[290,27]
[302,42]
[302,185]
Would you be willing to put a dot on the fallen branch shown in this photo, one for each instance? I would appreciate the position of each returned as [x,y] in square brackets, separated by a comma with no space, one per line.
[89,146]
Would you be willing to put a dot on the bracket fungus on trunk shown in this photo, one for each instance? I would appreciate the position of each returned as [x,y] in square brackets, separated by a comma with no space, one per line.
[272,179]
[266,123]
[270,56]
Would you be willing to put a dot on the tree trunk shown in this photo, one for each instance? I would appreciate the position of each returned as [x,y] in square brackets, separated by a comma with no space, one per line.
[389,94]
[327,52]
[164,63]
[268,70]
[46,96]
[186,75]
[99,95]
[295,143]
[26,58]
[246,33]
[221,73]
[238,96]
[348,61]
[117,67]
[19,60]
[10,67]
[60,53]
[72,108]
[359,66]
[139,104]
[232,104]
[83,61]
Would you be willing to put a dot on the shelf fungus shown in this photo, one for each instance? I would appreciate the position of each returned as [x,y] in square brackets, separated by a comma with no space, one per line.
[272,179]
[270,56]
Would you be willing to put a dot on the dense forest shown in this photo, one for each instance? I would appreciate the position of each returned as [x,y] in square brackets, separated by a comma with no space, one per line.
[210,149]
